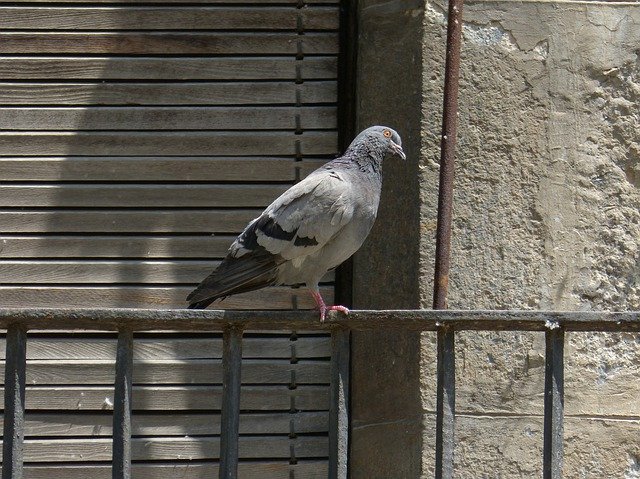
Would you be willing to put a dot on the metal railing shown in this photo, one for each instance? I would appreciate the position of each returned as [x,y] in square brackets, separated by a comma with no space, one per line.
[233,323]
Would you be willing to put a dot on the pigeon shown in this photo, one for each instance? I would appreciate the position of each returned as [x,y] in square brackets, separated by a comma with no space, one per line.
[310,229]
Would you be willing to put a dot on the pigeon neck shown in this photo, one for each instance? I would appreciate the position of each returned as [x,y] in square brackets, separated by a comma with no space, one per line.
[367,158]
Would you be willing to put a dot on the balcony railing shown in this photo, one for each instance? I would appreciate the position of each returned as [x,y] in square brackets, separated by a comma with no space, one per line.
[125,321]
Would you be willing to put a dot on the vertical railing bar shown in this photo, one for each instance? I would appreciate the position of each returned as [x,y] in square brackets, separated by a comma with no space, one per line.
[339,405]
[121,462]
[553,403]
[14,405]
[445,403]
[230,420]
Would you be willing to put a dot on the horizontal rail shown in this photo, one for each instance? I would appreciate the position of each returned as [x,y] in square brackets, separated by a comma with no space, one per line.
[412,320]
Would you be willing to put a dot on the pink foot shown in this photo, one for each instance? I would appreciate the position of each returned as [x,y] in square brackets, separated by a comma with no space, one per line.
[323,308]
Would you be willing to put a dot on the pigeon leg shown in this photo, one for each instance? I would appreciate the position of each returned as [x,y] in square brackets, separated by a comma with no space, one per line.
[323,308]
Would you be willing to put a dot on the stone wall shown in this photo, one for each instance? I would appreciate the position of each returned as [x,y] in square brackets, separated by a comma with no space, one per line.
[546,216]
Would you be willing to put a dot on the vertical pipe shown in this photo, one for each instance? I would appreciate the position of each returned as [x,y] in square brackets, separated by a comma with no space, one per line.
[14,405]
[445,392]
[447,155]
[339,407]
[553,404]
[121,462]
[230,421]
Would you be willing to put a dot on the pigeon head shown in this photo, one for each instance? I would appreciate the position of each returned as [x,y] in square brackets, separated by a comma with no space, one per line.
[380,139]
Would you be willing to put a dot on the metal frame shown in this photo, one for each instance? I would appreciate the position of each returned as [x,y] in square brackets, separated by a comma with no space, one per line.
[233,323]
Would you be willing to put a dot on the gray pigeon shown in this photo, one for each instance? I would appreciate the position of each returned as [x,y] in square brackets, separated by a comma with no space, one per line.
[310,229]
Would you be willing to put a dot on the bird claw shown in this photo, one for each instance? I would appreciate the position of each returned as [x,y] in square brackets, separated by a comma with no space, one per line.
[323,311]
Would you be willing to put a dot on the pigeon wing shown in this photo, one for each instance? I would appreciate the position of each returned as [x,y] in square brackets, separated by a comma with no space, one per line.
[301,221]
[304,219]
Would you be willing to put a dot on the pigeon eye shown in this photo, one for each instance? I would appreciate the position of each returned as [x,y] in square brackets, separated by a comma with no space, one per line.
[386,133]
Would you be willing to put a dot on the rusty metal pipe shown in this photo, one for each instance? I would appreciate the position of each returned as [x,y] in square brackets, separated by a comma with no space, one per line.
[447,155]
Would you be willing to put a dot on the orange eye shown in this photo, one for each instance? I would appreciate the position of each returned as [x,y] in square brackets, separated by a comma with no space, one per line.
[386,133]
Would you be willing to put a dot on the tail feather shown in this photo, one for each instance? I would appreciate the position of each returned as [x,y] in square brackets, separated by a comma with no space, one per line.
[249,272]
[201,304]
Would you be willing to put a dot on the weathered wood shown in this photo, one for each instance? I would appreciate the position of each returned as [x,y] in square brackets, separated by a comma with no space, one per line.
[63,424]
[168,43]
[115,246]
[553,404]
[14,402]
[339,412]
[109,319]
[309,469]
[168,448]
[167,118]
[109,271]
[445,404]
[122,400]
[185,93]
[151,297]
[126,221]
[167,18]
[170,68]
[178,398]
[197,371]
[63,347]
[104,271]
[141,195]
[193,2]
[230,416]
[167,143]
[182,168]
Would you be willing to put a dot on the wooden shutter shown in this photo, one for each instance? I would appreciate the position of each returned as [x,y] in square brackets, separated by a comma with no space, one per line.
[136,141]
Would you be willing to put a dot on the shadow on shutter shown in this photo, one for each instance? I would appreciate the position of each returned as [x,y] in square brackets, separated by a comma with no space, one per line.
[135,142]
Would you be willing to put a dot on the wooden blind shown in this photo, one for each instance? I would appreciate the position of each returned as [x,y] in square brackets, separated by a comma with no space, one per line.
[136,141]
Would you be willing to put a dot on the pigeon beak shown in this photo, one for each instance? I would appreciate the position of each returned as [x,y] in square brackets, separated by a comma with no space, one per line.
[397,150]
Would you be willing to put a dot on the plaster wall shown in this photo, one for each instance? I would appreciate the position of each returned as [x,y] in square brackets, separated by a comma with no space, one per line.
[546,216]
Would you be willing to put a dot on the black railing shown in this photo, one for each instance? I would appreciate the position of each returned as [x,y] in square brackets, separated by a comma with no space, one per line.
[233,323]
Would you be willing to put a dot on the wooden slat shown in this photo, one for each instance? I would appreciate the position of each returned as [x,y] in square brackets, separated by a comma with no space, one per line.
[167,118]
[185,93]
[302,469]
[121,443]
[167,18]
[151,297]
[181,168]
[230,415]
[173,43]
[73,347]
[167,69]
[126,271]
[63,424]
[109,271]
[203,371]
[167,448]
[193,2]
[149,196]
[178,398]
[115,246]
[141,221]
[14,402]
[152,143]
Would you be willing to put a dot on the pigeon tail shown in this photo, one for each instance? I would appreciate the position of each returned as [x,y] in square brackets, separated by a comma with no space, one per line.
[201,304]
[249,272]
